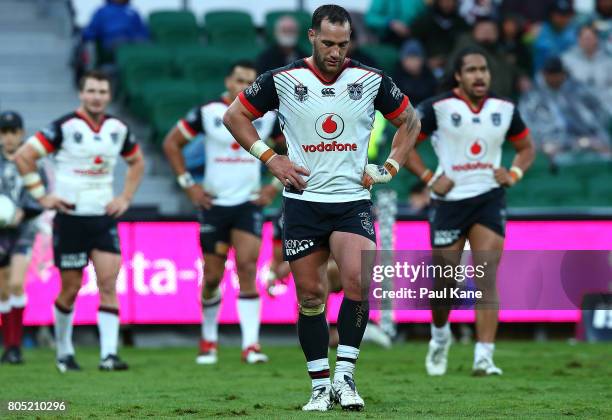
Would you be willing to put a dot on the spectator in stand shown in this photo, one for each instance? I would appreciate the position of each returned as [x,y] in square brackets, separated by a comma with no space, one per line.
[112,25]
[438,29]
[471,10]
[505,77]
[392,19]
[533,12]
[285,50]
[602,21]
[512,43]
[588,63]
[557,35]
[356,53]
[412,76]
[564,115]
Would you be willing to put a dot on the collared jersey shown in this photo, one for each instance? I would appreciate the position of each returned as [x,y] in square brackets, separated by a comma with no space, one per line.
[326,123]
[467,141]
[233,175]
[84,157]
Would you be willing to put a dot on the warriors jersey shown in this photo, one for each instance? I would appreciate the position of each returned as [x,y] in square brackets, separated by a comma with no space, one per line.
[11,185]
[233,175]
[468,141]
[84,156]
[326,123]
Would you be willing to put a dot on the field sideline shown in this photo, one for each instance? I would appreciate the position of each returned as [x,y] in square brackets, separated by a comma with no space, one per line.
[542,380]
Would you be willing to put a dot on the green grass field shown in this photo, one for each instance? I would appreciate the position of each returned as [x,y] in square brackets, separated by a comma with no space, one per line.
[548,380]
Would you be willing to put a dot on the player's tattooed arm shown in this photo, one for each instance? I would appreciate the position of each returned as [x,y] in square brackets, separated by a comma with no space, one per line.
[408,128]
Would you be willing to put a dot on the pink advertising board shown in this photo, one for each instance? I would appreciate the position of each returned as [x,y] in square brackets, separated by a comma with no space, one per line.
[162,272]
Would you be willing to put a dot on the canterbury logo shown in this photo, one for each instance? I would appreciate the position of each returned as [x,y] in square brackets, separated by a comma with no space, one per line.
[328,92]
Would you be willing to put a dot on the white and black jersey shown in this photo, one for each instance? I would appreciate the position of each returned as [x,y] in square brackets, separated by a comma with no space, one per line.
[233,175]
[326,123]
[468,141]
[85,155]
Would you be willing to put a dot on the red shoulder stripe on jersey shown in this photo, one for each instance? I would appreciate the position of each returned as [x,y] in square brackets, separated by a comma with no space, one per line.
[519,136]
[131,152]
[187,127]
[322,78]
[94,127]
[399,110]
[249,106]
[46,143]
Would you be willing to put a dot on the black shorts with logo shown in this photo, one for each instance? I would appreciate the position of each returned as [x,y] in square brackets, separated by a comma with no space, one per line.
[19,240]
[308,225]
[450,220]
[217,223]
[74,237]
[277,229]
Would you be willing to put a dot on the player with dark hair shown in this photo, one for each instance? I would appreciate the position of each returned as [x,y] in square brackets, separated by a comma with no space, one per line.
[468,126]
[326,106]
[230,204]
[16,238]
[85,145]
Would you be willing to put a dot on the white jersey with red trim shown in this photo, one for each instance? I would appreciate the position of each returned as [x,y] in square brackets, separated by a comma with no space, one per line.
[84,157]
[467,141]
[233,175]
[326,123]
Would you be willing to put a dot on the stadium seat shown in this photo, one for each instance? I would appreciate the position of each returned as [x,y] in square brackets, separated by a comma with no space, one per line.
[600,190]
[203,64]
[139,64]
[168,88]
[166,112]
[385,55]
[230,28]
[554,190]
[173,27]
[303,19]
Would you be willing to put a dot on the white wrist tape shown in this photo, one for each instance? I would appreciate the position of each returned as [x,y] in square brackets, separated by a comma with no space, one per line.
[261,151]
[185,180]
[38,192]
[518,172]
[31,179]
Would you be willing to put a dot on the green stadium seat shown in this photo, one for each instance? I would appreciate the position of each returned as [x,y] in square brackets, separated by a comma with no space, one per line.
[166,112]
[169,88]
[210,90]
[229,28]
[172,27]
[303,19]
[587,170]
[133,52]
[203,63]
[554,190]
[600,190]
[386,56]
[140,64]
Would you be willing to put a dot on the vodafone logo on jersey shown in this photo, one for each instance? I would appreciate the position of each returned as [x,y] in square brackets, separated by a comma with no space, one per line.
[329,126]
[476,150]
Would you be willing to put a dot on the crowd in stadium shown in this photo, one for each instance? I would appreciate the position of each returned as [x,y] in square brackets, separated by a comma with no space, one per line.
[545,55]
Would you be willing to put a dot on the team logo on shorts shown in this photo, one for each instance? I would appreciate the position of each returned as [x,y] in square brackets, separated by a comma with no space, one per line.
[476,150]
[355,90]
[366,222]
[456,119]
[329,126]
[295,246]
[300,92]
[496,119]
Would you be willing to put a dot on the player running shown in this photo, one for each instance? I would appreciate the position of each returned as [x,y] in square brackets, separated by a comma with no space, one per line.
[85,145]
[468,127]
[230,204]
[16,239]
[326,106]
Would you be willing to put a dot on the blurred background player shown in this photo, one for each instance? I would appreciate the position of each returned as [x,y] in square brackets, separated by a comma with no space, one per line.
[229,203]
[16,238]
[468,197]
[327,97]
[85,145]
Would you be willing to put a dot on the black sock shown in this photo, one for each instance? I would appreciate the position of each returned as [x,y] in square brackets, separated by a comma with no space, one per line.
[314,336]
[352,320]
